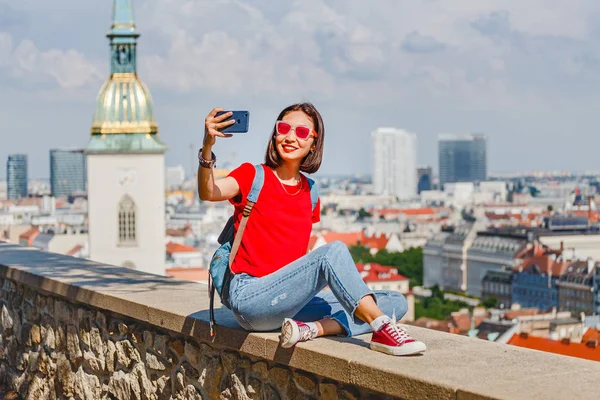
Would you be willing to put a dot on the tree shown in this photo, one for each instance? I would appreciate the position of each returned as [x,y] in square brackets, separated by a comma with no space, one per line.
[490,302]
[408,263]
[362,214]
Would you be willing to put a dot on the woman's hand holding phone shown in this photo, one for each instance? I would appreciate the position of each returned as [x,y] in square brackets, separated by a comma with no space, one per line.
[213,125]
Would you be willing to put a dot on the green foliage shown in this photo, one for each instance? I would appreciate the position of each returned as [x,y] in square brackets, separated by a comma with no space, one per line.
[409,262]
[490,302]
[436,306]
[362,214]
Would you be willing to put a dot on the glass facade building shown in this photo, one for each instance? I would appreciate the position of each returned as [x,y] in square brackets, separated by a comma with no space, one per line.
[462,158]
[67,172]
[16,176]
[424,179]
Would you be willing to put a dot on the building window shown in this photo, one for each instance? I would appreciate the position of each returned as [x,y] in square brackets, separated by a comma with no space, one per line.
[127,223]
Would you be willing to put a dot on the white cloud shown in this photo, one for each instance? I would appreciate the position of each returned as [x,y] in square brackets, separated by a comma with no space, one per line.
[333,48]
[69,69]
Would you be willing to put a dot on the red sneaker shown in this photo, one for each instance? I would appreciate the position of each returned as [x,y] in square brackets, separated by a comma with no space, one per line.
[293,332]
[392,339]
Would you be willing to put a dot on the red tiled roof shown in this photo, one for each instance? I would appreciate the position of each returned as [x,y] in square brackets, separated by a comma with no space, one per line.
[378,273]
[462,321]
[591,334]
[188,274]
[74,250]
[180,232]
[354,238]
[579,350]
[546,264]
[424,211]
[509,315]
[30,234]
[431,323]
[374,242]
[348,238]
[179,248]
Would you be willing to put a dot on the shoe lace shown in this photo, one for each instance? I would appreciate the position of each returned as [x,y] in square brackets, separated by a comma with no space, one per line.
[397,333]
[305,332]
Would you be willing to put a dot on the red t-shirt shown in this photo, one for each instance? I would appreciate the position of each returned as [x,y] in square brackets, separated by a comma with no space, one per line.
[279,226]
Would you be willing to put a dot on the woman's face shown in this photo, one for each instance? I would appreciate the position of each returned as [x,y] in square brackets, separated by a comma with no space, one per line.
[289,146]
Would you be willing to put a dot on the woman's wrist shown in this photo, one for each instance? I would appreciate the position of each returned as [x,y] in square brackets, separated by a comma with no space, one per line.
[206,157]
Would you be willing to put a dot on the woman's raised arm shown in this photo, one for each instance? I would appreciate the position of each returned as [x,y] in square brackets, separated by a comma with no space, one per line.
[209,188]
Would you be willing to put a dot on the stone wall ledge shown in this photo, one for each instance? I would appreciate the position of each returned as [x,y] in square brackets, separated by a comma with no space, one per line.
[454,367]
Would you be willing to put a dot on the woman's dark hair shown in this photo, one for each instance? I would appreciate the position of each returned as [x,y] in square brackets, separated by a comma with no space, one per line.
[312,162]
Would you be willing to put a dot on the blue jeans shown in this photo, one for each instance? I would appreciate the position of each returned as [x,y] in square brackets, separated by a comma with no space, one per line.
[296,291]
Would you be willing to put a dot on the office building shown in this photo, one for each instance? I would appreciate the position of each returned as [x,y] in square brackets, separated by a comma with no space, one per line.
[462,158]
[67,172]
[175,177]
[424,178]
[16,176]
[394,162]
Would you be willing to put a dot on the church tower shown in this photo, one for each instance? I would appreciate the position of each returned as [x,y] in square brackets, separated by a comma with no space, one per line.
[125,161]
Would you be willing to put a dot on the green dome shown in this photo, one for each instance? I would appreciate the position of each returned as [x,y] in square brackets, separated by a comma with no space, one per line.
[124,105]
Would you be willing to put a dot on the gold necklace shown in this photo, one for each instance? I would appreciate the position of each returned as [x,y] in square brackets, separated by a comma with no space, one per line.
[291,194]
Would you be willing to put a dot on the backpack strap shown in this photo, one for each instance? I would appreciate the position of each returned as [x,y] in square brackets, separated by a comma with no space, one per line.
[314,192]
[257,184]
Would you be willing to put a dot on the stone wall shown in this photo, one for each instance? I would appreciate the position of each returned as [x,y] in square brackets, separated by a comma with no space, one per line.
[51,348]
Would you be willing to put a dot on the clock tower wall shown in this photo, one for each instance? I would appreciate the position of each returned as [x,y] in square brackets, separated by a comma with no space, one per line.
[126,210]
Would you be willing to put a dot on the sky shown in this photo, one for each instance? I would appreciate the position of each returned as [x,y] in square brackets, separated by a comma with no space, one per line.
[525,73]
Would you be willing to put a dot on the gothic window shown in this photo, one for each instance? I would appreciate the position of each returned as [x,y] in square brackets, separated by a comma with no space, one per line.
[127,223]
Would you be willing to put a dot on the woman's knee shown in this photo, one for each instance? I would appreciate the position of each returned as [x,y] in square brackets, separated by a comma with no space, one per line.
[391,302]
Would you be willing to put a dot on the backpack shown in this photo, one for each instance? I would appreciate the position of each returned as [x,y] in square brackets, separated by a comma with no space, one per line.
[220,273]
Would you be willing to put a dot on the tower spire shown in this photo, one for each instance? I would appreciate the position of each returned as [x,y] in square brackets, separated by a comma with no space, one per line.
[123,37]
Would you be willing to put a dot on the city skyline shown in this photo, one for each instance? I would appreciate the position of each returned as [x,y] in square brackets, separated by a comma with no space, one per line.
[525,79]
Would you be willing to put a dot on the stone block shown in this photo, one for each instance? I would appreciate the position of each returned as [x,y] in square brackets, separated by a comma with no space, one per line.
[148,339]
[126,354]
[306,383]
[211,372]
[260,369]
[177,346]
[93,363]
[23,361]
[26,334]
[64,311]
[7,322]
[101,321]
[160,344]
[192,353]
[49,339]
[61,338]
[87,387]
[279,377]
[153,362]
[119,385]
[65,377]
[96,344]
[30,313]
[110,353]
[123,328]
[40,389]
[328,391]
[36,335]
[139,372]
[73,349]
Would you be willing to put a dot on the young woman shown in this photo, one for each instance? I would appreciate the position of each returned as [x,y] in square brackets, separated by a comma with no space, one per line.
[276,283]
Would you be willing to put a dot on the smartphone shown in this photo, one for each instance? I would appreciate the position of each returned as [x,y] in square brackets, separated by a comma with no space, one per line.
[241,124]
